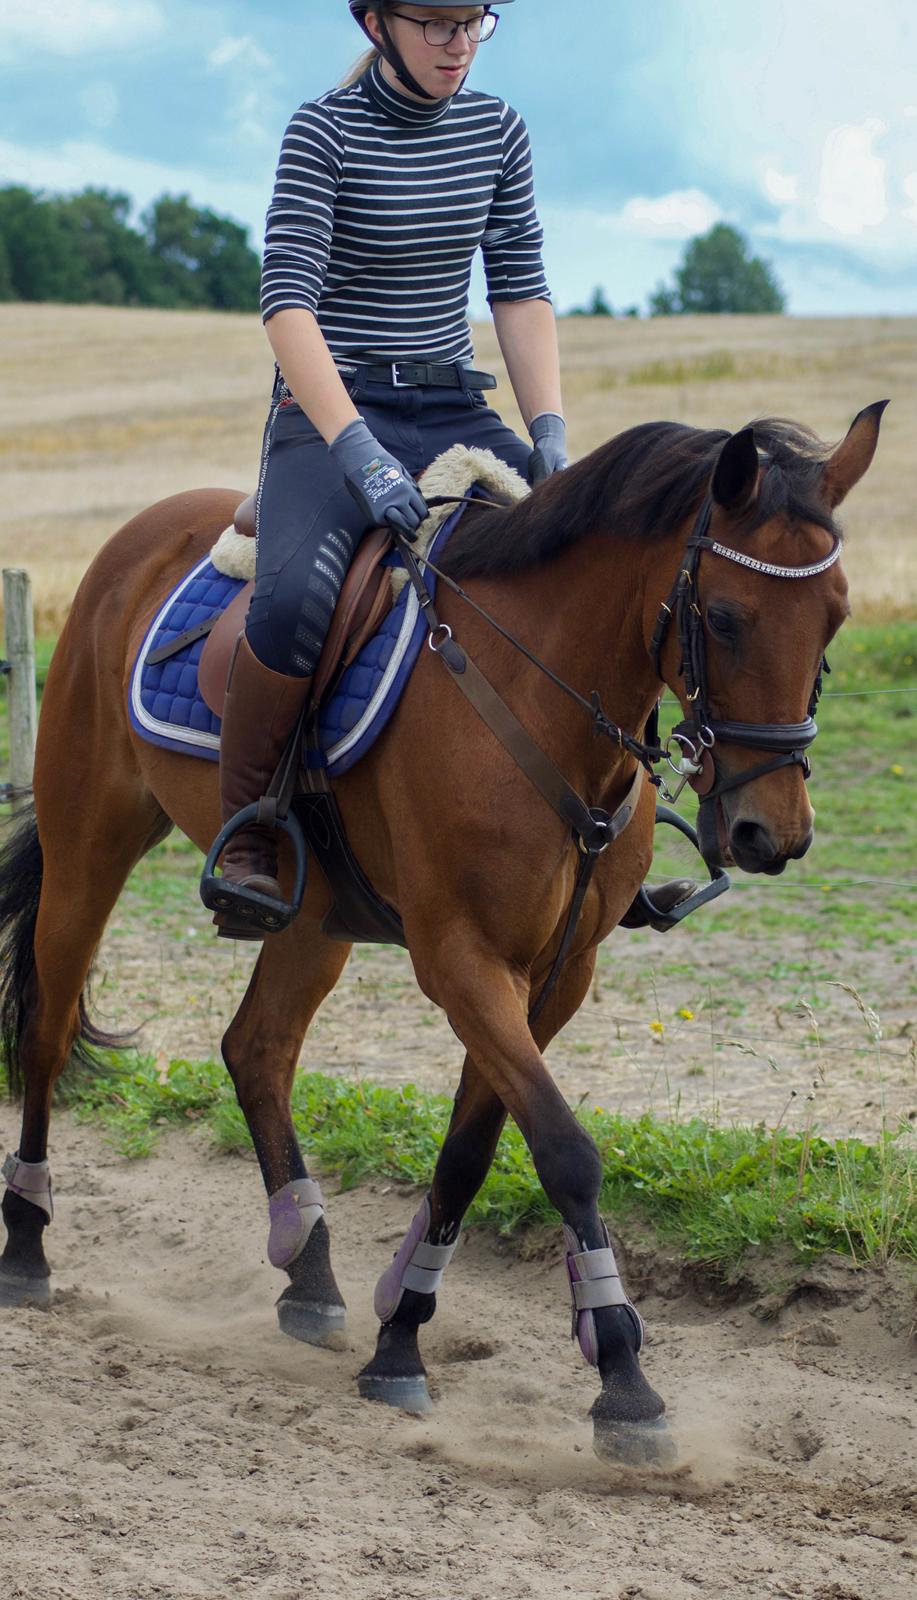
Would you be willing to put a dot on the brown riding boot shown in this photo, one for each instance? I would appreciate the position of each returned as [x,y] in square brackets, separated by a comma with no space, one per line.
[259,714]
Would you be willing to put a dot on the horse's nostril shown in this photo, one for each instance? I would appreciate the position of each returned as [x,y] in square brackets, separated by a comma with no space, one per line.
[749,839]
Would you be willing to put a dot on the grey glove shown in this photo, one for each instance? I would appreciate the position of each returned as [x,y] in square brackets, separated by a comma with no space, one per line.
[549,436]
[383,489]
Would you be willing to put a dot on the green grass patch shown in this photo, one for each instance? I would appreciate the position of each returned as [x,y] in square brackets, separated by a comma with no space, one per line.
[712,1192]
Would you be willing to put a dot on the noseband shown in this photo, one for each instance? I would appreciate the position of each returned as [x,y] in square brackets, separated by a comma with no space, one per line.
[699,732]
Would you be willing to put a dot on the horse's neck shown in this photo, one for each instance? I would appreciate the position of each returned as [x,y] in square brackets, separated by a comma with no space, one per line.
[582,614]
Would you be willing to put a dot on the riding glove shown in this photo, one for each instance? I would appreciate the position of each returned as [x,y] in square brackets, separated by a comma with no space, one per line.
[381,486]
[549,436]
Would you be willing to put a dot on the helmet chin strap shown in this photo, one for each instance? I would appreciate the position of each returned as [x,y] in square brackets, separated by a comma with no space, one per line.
[394,58]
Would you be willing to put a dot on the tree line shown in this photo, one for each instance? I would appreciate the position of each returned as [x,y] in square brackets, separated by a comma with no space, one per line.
[717,274]
[83,249]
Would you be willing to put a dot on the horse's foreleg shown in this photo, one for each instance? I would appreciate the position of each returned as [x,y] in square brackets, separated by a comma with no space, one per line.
[487,1002]
[293,974]
[396,1374]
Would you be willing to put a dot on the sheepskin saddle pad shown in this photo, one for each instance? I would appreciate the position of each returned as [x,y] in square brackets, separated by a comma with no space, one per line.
[166,704]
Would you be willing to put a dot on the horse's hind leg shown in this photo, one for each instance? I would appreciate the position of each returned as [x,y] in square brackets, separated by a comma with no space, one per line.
[51,951]
[293,974]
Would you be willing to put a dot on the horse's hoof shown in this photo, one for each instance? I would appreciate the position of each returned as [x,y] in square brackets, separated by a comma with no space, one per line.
[635,1444]
[406,1394]
[22,1291]
[313,1323]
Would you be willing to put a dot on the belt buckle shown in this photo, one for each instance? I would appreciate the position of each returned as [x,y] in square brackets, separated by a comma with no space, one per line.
[402,383]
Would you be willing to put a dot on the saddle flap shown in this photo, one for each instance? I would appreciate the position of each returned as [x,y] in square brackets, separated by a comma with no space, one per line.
[213,667]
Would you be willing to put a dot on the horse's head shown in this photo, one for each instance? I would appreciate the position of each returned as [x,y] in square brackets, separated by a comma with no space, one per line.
[760,593]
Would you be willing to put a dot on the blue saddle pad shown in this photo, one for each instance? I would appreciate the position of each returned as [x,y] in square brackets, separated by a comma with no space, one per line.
[166,707]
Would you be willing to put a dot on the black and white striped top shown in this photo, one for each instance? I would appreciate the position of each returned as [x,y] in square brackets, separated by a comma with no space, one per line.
[379,205]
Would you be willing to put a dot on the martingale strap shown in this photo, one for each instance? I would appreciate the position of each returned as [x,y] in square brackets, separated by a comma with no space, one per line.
[593,829]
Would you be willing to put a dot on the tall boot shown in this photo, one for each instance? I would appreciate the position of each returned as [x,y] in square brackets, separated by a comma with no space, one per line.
[260,713]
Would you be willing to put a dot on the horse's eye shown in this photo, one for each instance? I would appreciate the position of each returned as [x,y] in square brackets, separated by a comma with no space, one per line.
[723,623]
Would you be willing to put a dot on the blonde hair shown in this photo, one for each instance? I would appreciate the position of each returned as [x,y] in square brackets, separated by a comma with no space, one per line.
[359,67]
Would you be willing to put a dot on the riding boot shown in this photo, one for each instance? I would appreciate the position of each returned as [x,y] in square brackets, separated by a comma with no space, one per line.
[661,901]
[260,713]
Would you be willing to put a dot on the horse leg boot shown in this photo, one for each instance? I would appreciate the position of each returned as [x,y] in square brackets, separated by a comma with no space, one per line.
[405,1296]
[260,712]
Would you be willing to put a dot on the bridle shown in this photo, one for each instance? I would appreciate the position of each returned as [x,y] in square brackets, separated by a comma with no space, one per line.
[699,732]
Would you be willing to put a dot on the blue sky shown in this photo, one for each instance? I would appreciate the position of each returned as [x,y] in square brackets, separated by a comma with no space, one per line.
[796,120]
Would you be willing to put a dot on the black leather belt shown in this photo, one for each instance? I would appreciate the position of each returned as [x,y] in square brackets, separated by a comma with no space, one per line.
[422,375]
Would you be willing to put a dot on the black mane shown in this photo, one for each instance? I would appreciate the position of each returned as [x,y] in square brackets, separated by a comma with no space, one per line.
[642,484]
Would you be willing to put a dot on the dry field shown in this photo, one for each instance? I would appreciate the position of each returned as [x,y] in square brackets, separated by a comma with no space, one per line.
[104,411]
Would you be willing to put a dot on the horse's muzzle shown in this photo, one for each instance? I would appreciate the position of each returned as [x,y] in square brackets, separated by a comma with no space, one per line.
[745,842]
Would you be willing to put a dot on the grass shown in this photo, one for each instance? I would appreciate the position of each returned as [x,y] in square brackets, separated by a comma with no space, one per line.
[712,1192]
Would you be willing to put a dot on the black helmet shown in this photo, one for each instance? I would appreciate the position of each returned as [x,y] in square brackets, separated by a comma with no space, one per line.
[390,50]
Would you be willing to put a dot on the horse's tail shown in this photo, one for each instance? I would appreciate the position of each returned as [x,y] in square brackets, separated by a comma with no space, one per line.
[21,871]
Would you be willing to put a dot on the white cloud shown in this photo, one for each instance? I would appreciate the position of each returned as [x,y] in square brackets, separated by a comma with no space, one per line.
[243,51]
[780,186]
[678,215]
[100,103]
[81,163]
[851,193]
[77,27]
[909,185]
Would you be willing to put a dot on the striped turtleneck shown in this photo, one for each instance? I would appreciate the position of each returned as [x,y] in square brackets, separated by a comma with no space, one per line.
[379,205]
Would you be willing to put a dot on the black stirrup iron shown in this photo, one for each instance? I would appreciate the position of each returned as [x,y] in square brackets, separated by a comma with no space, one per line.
[259,911]
[644,905]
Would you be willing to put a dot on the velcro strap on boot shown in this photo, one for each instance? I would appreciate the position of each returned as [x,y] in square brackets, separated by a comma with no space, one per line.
[595,1282]
[31,1180]
[294,1210]
[417,1265]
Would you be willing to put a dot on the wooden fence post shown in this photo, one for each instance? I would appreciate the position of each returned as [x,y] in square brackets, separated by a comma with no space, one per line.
[19,668]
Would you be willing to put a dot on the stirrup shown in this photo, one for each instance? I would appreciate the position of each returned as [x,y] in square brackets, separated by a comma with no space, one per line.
[251,910]
[662,921]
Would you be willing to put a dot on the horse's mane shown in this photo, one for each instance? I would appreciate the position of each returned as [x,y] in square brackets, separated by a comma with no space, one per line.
[641,485]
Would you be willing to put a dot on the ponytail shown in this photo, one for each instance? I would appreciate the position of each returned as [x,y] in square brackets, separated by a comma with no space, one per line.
[359,67]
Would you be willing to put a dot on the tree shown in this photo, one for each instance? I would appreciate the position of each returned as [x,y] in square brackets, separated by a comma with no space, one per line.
[201,259]
[597,307]
[717,274]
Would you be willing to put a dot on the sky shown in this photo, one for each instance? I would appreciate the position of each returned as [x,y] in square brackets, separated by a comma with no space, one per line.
[793,120]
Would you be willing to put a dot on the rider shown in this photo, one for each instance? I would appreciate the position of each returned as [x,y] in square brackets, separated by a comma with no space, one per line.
[385,188]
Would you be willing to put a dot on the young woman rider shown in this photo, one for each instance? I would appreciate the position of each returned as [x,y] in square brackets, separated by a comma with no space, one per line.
[385,189]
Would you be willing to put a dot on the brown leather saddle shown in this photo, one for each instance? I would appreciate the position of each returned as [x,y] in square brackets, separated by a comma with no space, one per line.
[365,599]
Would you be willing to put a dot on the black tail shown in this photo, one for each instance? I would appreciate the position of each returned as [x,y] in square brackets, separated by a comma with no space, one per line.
[21,868]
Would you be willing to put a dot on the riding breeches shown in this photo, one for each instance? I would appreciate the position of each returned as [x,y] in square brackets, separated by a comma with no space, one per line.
[308,526]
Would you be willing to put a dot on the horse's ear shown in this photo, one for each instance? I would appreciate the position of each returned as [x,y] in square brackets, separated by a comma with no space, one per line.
[735,476]
[852,456]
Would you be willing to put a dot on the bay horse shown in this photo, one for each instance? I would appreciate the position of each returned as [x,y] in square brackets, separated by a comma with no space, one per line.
[450,832]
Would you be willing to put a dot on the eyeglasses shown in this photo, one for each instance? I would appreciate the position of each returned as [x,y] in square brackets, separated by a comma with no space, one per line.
[438,31]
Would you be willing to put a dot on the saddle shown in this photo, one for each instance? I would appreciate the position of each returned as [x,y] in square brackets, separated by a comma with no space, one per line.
[365,599]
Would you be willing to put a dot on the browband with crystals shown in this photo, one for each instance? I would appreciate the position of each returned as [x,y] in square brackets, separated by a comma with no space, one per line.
[768,567]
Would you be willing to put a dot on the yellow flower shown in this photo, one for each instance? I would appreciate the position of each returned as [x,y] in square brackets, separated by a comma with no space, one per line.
[686,1013]
[657,1028]
[896,770]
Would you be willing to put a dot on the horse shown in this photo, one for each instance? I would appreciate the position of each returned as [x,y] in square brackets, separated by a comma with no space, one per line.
[590,567]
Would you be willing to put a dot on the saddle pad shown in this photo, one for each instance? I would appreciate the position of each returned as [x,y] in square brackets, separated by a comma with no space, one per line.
[165,705]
